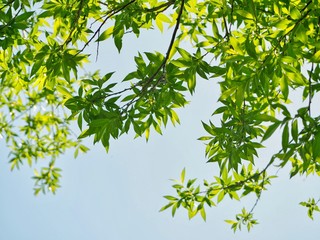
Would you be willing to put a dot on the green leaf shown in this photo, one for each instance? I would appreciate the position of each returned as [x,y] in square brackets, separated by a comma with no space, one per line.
[250,48]
[203,214]
[208,128]
[171,198]
[266,117]
[36,66]
[271,129]
[316,146]
[166,206]
[295,13]
[294,130]
[190,76]
[284,87]
[316,57]
[64,91]
[218,71]
[244,14]
[106,34]
[220,110]
[285,137]
[174,209]
[220,196]
[160,18]
[184,54]
[182,175]
[80,121]
[23,16]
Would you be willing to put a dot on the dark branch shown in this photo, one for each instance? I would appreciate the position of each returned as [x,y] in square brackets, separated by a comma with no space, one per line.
[75,23]
[147,84]
[114,12]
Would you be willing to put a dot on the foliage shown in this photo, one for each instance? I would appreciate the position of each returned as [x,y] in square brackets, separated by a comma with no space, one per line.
[261,51]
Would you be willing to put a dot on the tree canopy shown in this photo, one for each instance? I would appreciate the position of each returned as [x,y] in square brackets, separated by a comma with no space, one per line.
[260,52]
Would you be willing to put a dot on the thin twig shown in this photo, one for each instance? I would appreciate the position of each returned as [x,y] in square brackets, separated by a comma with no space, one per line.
[259,194]
[102,24]
[7,4]
[231,15]
[165,6]
[147,84]
[12,19]
[310,89]
[74,24]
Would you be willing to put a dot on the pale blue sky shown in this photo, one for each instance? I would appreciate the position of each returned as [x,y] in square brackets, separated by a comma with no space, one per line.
[117,196]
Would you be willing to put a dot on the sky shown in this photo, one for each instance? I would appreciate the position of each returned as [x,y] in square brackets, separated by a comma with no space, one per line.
[117,196]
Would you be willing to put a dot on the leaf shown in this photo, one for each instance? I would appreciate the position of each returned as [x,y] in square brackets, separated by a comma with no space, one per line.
[184,54]
[159,24]
[174,209]
[215,29]
[285,137]
[236,45]
[295,13]
[166,206]
[271,129]
[316,57]
[294,130]
[80,121]
[220,110]
[220,196]
[283,24]
[36,66]
[227,93]
[64,91]
[284,87]
[23,16]
[174,117]
[244,14]
[182,175]
[316,146]
[191,213]
[208,128]
[266,117]
[218,71]
[250,48]
[203,214]
[160,18]
[191,79]
[171,198]
[147,132]
[118,42]
[106,34]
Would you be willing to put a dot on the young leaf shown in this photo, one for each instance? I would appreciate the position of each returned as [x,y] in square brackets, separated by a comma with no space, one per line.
[182,175]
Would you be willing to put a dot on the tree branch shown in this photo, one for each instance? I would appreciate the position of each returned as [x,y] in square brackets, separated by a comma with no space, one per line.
[147,84]
[74,24]
[112,13]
